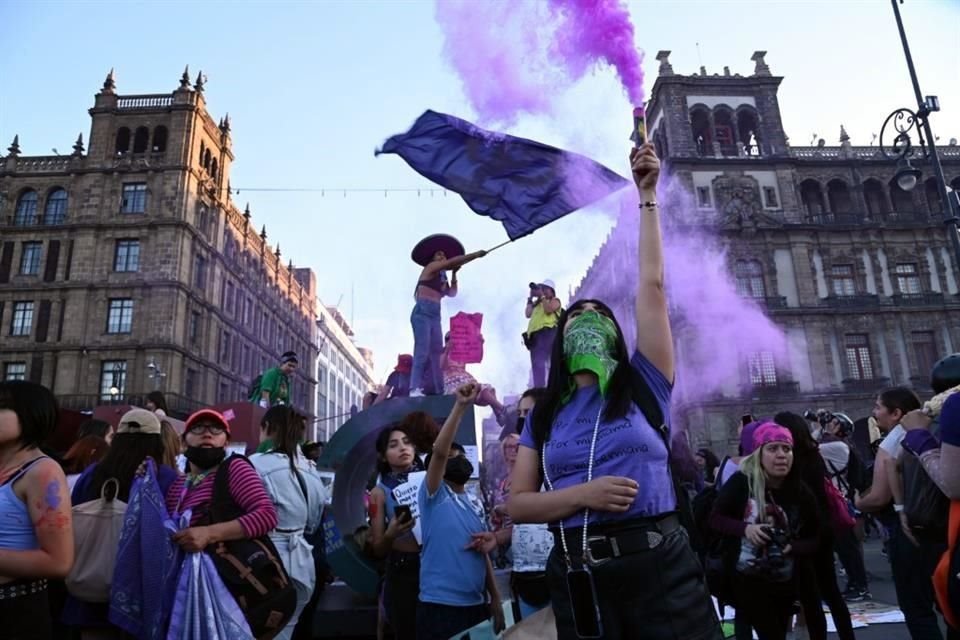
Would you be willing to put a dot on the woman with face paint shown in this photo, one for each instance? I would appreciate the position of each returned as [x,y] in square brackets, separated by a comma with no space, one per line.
[455,569]
[597,441]
[391,534]
[206,434]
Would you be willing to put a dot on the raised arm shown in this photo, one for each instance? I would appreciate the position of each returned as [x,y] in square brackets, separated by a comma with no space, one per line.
[654,339]
[434,268]
[466,396]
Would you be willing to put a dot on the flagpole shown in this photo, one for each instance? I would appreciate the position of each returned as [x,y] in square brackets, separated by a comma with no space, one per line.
[502,244]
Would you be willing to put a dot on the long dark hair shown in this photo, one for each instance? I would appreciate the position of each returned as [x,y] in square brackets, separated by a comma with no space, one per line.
[383,441]
[626,385]
[157,398]
[286,429]
[126,453]
[808,465]
[36,410]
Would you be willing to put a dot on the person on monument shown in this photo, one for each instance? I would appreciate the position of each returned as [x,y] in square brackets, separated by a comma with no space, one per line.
[272,387]
[437,254]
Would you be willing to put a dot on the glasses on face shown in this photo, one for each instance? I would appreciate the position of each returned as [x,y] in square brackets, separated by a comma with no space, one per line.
[212,429]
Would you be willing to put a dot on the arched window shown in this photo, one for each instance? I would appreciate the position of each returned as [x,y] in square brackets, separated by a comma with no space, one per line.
[160,139]
[932,194]
[875,197]
[123,140]
[140,140]
[724,131]
[700,127]
[56,209]
[213,168]
[203,153]
[749,275]
[206,160]
[748,126]
[839,196]
[26,213]
[902,200]
[812,197]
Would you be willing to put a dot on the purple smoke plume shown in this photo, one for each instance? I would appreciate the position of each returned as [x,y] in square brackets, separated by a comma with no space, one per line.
[514,57]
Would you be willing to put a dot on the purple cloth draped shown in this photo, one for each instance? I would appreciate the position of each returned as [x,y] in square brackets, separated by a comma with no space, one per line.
[204,609]
[144,580]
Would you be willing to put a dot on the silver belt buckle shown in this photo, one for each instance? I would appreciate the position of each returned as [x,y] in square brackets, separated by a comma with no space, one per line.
[614,548]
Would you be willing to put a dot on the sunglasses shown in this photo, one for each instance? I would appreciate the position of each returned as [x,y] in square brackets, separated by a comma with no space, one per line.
[213,429]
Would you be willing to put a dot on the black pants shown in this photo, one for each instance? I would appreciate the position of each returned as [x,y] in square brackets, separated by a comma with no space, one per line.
[442,622]
[658,594]
[26,618]
[768,606]
[850,551]
[541,344]
[403,593]
[913,569]
[817,581]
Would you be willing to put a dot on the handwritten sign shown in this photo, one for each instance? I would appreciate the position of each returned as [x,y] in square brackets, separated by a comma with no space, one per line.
[407,494]
[466,340]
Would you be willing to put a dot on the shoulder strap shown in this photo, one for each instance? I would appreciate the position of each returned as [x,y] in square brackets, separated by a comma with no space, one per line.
[23,469]
[222,504]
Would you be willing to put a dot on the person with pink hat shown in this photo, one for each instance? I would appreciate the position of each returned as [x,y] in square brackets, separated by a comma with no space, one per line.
[437,254]
[767,517]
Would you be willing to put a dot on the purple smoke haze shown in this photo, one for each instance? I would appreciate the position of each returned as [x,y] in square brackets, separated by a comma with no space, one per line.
[715,329]
[514,57]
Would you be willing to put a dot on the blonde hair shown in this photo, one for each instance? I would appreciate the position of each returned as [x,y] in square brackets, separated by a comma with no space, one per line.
[752,467]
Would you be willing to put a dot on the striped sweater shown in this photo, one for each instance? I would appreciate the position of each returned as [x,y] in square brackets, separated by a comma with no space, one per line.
[247,490]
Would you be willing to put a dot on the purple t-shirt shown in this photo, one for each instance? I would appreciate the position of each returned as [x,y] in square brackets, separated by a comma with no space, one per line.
[628,447]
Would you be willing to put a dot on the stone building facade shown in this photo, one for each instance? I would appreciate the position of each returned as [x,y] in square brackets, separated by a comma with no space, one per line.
[345,373]
[858,273]
[126,268]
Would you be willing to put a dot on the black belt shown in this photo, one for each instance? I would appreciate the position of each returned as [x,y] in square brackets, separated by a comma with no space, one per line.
[627,539]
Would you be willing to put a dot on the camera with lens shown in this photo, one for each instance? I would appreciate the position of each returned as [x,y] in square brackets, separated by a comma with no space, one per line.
[822,416]
[778,542]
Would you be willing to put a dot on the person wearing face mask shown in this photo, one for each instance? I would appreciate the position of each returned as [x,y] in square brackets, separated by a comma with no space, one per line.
[455,570]
[768,517]
[206,434]
[598,441]
[391,536]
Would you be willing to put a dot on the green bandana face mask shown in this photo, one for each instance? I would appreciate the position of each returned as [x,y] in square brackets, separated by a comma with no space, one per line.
[588,345]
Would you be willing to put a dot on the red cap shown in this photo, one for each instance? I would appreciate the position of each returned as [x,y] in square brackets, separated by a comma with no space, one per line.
[207,414]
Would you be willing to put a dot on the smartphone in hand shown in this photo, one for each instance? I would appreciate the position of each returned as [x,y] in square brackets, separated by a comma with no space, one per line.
[402,513]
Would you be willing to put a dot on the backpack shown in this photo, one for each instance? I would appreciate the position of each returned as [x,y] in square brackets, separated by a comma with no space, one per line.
[96,536]
[858,475]
[838,508]
[712,549]
[926,506]
[254,391]
[946,578]
[250,568]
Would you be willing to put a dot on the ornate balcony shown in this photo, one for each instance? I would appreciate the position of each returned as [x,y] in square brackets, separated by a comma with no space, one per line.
[919,299]
[856,302]
[865,385]
[771,389]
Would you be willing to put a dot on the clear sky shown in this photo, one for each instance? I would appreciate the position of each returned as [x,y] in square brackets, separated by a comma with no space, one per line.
[313,87]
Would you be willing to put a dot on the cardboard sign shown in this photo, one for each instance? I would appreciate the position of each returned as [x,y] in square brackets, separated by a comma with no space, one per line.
[407,494]
[472,453]
[466,340]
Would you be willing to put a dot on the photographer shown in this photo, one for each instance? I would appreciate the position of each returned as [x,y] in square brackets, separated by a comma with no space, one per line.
[767,516]
[543,310]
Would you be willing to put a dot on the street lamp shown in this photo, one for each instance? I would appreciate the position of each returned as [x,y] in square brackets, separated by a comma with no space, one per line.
[902,150]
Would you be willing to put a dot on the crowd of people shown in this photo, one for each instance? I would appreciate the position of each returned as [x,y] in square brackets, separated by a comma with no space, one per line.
[615,528]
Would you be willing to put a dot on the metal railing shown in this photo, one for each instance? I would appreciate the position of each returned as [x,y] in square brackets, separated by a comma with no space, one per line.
[856,301]
[145,101]
[774,388]
[774,302]
[865,385]
[919,299]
